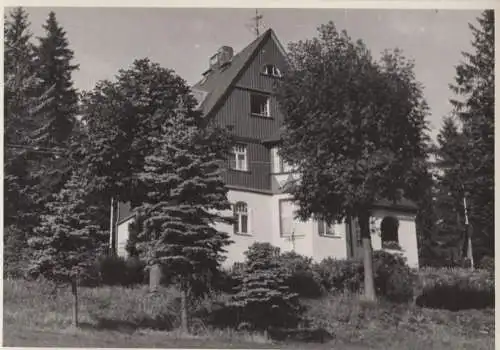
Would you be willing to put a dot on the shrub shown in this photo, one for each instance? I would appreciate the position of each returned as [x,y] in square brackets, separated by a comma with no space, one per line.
[455,289]
[228,280]
[487,263]
[340,275]
[16,255]
[394,280]
[112,271]
[302,279]
[263,299]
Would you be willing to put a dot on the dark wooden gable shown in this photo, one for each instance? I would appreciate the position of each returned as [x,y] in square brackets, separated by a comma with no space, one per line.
[227,101]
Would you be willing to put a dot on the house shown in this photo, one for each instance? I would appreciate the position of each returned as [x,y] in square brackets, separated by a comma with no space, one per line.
[237,90]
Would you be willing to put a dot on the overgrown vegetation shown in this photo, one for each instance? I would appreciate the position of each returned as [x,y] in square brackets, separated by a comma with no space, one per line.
[133,312]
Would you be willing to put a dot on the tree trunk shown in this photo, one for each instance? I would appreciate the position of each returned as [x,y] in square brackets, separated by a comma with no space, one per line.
[364,225]
[184,309]
[74,291]
[154,277]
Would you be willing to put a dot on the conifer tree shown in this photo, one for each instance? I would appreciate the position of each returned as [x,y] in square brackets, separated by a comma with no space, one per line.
[185,194]
[474,88]
[449,191]
[263,298]
[22,114]
[54,68]
[67,240]
[19,112]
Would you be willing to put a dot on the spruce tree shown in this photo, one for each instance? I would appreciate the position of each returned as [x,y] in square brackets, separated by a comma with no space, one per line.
[67,240]
[22,113]
[451,154]
[474,88]
[185,195]
[54,67]
[263,299]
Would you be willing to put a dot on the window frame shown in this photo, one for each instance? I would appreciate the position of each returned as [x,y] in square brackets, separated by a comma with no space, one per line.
[235,153]
[384,241]
[277,160]
[238,215]
[267,113]
[328,229]
[275,71]
[280,218]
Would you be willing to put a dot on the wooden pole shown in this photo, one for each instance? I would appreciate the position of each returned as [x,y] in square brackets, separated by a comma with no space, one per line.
[468,232]
[111,229]
[74,291]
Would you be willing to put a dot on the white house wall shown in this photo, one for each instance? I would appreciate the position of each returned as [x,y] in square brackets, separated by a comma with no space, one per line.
[264,226]
[260,224]
[324,246]
[407,234]
[122,234]
[302,239]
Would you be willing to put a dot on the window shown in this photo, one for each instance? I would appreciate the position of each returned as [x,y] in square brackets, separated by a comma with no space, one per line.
[241,218]
[271,70]
[238,160]
[287,225]
[329,230]
[278,164]
[389,228]
[259,105]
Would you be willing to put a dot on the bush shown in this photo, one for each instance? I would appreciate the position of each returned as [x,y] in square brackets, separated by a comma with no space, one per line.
[263,299]
[302,279]
[487,263]
[455,289]
[116,271]
[16,255]
[340,275]
[394,280]
[228,280]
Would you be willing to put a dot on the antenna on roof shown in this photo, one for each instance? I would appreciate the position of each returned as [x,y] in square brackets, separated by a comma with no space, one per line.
[258,17]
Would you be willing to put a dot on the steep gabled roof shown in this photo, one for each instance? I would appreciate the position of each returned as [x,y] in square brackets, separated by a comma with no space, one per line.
[214,87]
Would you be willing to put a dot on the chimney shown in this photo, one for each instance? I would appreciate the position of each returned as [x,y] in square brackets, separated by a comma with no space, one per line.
[221,58]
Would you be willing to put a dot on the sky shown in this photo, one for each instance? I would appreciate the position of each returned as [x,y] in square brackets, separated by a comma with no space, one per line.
[105,40]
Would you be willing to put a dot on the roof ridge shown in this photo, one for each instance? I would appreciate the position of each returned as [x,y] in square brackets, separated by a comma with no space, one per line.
[220,81]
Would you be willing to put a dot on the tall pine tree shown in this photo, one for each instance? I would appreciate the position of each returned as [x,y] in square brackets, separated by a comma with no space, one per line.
[185,194]
[449,192]
[22,114]
[67,240]
[474,87]
[54,67]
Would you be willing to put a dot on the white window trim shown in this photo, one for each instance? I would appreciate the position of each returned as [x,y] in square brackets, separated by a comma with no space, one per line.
[237,151]
[275,71]
[238,216]
[328,230]
[267,112]
[278,164]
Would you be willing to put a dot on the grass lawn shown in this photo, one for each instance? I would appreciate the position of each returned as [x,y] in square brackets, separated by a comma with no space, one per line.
[36,314]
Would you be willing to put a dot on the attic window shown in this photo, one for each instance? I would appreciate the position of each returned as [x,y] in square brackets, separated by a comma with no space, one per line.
[271,70]
[259,105]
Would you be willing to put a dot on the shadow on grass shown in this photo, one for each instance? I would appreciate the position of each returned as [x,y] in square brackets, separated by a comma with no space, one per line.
[160,323]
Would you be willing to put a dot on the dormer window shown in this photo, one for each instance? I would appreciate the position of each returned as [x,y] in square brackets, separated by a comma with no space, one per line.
[271,70]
